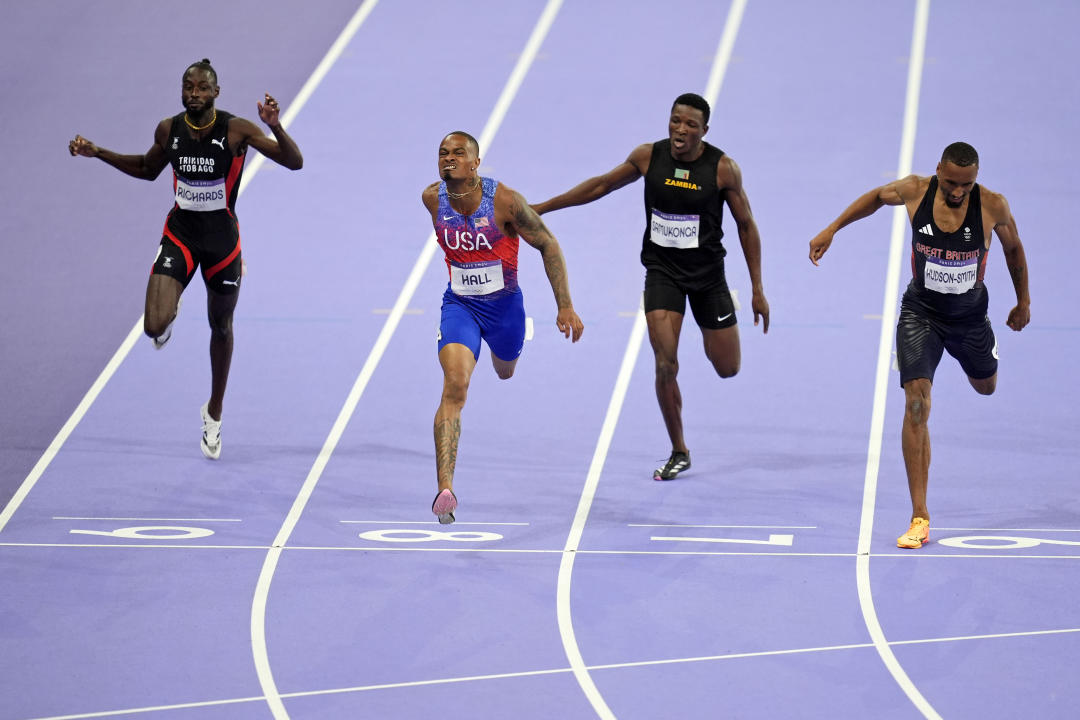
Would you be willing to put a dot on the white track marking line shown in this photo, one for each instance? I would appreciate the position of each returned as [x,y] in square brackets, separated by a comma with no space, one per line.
[72,422]
[262,589]
[877,422]
[954,529]
[427,522]
[558,671]
[740,527]
[573,540]
[133,336]
[148,519]
[622,382]
[527,551]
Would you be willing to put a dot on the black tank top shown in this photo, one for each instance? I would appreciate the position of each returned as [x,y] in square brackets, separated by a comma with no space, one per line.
[683,210]
[206,172]
[947,268]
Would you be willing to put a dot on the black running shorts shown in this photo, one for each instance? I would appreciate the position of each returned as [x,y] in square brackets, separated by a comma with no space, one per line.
[711,302]
[213,246]
[921,338]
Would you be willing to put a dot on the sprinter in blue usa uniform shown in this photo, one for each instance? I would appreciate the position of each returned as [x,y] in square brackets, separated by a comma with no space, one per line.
[478,222]
[687,183]
[206,148]
[944,306]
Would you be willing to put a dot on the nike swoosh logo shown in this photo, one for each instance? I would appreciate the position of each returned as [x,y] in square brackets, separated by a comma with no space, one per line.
[448,217]
[722,319]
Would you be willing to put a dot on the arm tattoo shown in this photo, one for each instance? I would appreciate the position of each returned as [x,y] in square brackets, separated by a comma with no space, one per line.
[536,233]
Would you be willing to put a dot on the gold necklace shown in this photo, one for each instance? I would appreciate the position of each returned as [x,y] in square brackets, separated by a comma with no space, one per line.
[458,196]
[195,127]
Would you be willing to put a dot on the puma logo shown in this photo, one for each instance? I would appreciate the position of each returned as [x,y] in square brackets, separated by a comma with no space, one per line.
[235,282]
[220,143]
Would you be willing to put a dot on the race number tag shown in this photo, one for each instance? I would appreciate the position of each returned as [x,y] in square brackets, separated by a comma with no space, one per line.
[951,277]
[478,278]
[674,231]
[200,195]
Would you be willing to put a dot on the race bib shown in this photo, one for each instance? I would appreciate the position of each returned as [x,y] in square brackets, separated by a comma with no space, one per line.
[674,231]
[478,278]
[200,195]
[952,277]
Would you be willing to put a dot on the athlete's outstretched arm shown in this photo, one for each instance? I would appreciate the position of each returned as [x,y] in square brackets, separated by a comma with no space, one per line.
[145,167]
[528,225]
[1015,258]
[597,187]
[898,192]
[729,179]
[281,148]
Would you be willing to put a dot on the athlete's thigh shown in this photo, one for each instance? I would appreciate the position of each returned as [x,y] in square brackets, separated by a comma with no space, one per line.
[503,329]
[723,349]
[712,305]
[220,258]
[457,324]
[665,307]
[974,347]
[174,260]
[919,344]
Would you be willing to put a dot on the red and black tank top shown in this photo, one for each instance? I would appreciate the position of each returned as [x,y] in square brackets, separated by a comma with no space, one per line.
[206,172]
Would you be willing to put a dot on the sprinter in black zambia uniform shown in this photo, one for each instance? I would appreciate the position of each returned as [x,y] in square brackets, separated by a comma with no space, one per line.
[944,307]
[206,149]
[687,182]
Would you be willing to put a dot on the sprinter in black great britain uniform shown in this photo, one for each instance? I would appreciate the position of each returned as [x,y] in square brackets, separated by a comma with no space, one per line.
[944,307]
[206,149]
[687,182]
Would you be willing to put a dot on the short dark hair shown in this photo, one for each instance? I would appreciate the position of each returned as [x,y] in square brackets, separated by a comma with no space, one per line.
[960,153]
[695,101]
[467,136]
[203,64]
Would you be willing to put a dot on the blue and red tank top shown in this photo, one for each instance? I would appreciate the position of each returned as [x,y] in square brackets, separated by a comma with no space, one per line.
[481,259]
[947,268]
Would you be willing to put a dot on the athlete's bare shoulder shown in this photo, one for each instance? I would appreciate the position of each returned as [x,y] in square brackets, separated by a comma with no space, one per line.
[640,156]
[430,196]
[994,205]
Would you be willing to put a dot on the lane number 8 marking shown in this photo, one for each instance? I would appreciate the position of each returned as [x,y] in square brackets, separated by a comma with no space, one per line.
[414,536]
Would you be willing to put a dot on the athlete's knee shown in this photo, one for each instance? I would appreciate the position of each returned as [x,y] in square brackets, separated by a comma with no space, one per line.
[667,369]
[917,403]
[726,368]
[984,386]
[221,327]
[504,373]
[455,388]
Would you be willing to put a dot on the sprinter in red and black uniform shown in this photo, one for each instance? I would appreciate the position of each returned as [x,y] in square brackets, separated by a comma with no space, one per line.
[944,306]
[206,148]
[687,183]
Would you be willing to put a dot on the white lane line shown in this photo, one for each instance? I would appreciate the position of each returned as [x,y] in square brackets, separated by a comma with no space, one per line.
[742,527]
[952,529]
[427,522]
[262,588]
[558,671]
[380,548]
[877,422]
[260,655]
[573,540]
[72,422]
[607,431]
[146,519]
